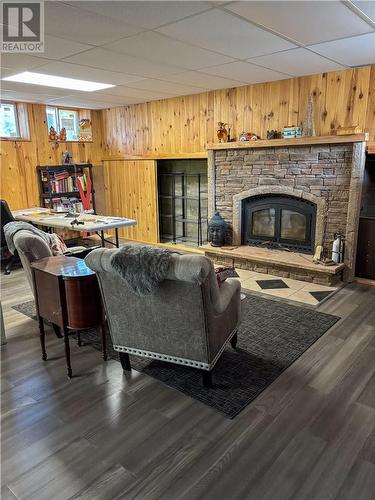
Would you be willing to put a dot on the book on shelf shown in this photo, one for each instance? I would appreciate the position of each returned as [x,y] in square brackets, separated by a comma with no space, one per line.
[62,182]
[58,187]
[64,204]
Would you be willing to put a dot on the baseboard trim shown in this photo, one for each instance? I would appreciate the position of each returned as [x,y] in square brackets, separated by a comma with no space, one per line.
[365,281]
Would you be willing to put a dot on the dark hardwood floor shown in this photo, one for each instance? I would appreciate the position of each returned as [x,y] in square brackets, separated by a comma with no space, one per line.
[107,434]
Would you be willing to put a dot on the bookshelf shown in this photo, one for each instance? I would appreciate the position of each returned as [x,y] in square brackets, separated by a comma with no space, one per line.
[58,185]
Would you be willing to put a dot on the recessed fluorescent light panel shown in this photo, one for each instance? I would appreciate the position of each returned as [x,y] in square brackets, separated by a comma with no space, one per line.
[57,81]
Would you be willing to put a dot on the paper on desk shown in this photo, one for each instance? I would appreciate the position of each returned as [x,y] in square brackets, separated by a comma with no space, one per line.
[115,219]
[53,217]
[33,212]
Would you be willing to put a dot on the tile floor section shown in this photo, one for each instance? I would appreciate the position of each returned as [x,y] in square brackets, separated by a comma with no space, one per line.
[285,288]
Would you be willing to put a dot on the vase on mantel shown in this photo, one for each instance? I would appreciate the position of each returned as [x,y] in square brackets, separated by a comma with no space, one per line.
[222,133]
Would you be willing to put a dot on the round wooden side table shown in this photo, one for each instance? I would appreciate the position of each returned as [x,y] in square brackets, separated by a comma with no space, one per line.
[67,294]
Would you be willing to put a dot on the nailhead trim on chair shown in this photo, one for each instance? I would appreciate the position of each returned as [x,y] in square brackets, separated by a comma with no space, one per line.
[174,359]
[163,357]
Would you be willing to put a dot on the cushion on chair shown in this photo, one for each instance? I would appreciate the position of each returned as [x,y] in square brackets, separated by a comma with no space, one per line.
[57,244]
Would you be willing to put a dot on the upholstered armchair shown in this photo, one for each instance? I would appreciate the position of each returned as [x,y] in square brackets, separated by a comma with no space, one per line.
[31,247]
[188,320]
[6,216]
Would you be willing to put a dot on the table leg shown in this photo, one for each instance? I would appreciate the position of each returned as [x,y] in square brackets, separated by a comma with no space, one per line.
[102,238]
[79,342]
[116,236]
[67,353]
[42,336]
[57,331]
[104,341]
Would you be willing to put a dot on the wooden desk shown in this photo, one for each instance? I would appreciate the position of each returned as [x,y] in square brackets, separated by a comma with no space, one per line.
[67,294]
[44,217]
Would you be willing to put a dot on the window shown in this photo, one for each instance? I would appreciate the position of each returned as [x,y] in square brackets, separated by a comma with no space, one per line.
[9,121]
[64,118]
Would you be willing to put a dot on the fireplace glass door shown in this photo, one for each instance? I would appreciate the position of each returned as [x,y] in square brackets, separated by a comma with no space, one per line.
[264,222]
[279,221]
[293,225]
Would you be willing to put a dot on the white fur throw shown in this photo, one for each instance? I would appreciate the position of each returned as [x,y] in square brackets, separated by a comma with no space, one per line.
[142,267]
[12,228]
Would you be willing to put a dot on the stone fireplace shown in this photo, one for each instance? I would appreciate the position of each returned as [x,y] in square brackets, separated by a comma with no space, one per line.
[289,194]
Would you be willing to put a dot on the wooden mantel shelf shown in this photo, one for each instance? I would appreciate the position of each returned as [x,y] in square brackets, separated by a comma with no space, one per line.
[157,156]
[302,141]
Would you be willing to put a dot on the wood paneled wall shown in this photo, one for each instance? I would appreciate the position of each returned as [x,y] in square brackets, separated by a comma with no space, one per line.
[131,191]
[181,126]
[187,124]
[19,184]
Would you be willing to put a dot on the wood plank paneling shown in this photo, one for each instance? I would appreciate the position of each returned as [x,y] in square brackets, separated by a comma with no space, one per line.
[131,191]
[370,116]
[182,126]
[187,124]
[19,183]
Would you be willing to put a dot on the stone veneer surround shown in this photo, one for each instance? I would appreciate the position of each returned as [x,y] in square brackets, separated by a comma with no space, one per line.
[329,175]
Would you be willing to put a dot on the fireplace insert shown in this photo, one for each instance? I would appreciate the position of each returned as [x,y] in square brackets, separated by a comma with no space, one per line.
[279,222]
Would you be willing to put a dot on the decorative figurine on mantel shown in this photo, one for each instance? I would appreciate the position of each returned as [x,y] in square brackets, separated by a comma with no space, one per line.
[248,136]
[272,134]
[291,132]
[62,136]
[222,133]
[217,229]
[52,135]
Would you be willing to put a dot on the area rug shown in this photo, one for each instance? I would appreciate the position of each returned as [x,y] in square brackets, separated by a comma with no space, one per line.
[271,337]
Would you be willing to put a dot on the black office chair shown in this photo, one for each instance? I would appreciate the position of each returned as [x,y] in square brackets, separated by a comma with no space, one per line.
[6,216]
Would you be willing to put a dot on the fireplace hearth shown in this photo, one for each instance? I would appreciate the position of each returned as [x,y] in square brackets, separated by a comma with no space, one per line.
[292,194]
[279,221]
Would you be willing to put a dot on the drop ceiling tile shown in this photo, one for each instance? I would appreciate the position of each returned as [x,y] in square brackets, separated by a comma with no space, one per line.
[61,68]
[227,34]
[305,21]
[297,62]
[170,88]
[6,72]
[355,51]
[124,91]
[58,48]
[25,96]
[21,62]
[69,22]
[113,61]
[368,8]
[162,48]
[203,80]
[246,72]
[109,99]
[81,103]
[145,14]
